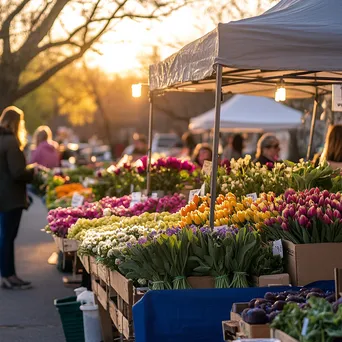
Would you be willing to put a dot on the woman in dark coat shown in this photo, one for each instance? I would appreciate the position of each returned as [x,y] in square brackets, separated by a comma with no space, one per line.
[14,176]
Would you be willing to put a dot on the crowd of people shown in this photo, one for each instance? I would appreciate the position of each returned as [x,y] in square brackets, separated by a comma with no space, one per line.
[15,173]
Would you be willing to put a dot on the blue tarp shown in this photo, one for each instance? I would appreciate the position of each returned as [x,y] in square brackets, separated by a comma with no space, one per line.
[192,315]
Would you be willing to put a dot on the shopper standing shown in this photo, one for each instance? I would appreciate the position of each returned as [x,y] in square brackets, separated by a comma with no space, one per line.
[14,175]
[332,152]
[268,149]
[44,150]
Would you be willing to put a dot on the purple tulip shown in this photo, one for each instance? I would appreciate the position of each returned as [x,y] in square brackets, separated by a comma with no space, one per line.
[326,219]
[329,213]
[315,198]
[327,201]
[312,211]
[268,222]
[303,220]
[336,214]
[302,201]
[280,220]
[285,226]
[292,211]
[286,213]
[302,210]
[325,193]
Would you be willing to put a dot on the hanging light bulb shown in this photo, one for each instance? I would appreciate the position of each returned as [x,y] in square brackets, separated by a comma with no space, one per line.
[280,94]
[136,90]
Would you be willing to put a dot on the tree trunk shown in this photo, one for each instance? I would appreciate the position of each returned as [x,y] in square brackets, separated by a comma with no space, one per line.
[9,83]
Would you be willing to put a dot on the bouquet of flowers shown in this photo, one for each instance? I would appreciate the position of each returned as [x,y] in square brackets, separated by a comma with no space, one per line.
[117,181]
[310,216]
[169,174]
[243,176]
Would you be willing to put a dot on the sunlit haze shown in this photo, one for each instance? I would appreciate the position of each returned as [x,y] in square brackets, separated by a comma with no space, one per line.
[124,49]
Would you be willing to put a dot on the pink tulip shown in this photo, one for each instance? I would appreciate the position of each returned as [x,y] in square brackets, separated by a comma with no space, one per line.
[312,211]
[315,198]
[329,213]
[336,214]
[302,210]
[326,219]
[303,220]
[325,193]
[286,213]
[285,226]
[291,211]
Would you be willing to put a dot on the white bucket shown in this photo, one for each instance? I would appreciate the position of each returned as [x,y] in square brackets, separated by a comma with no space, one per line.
[91,323]
[79,290]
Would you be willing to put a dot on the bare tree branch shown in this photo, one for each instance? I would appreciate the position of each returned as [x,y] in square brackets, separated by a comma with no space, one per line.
[28,50]
[36,20]
[5,29]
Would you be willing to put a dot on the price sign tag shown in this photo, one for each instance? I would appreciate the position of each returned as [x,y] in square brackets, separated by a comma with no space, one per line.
[154,195]
[193,193]
[77,200]
[203,192]
[305,326]
[337,97]
[253,196]
[277,248]
[207,167]
[136,198]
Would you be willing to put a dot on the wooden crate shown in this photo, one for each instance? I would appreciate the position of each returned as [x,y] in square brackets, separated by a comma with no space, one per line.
[93,266]
[121,301]
[66,245]
[85,262]
[280,335]
[103,273]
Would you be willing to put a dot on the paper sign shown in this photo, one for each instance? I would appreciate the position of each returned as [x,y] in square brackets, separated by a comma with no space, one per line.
[277,248]
[253,196]
[337,98]
[193,193]
[305,326]
[136,198]
[207,167]
[154,195]
[77,200]
[203,192]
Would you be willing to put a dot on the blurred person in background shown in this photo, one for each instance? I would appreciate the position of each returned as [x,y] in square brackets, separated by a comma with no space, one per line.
[234,147]
[268,149]
[14,175]
[44,150]
[189,145]
[135,151]
[201,153]
[332,152]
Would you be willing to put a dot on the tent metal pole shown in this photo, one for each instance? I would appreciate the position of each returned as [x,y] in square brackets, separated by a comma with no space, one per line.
[218,99]
[149,160]
[312,129]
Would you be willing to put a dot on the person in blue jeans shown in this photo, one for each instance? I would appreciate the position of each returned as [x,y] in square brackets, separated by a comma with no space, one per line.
[14,177]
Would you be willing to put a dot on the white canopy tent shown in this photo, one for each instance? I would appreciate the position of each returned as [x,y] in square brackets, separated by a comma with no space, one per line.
[298,42]
[243,113]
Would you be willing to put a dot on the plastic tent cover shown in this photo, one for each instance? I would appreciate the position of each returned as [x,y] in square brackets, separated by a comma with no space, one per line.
[295,35]
[249,113]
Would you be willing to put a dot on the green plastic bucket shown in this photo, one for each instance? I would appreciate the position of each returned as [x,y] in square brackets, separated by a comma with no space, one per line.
[72,318]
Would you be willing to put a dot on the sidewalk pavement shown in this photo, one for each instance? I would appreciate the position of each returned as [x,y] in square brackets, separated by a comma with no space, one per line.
[30,316]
